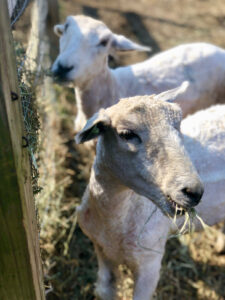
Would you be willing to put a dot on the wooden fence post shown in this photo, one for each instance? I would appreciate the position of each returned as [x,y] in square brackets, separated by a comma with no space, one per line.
[53,19]
[20,262]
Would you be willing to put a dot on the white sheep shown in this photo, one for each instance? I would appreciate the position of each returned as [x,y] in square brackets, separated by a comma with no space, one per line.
[85,45]
[141,172]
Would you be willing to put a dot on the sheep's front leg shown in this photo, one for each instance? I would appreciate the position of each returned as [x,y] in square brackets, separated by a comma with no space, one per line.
[146,278]
[106,283]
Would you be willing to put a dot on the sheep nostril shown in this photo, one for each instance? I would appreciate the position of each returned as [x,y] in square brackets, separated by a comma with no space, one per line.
[62,71]
[194,194]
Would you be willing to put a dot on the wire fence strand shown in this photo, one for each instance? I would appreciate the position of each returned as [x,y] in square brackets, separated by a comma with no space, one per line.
[16,9]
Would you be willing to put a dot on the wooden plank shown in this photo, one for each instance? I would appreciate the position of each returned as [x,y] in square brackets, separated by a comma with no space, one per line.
[20,262]
[52,20]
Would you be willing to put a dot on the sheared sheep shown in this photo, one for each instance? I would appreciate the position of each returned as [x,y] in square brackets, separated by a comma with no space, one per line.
[85,45]
[145,169]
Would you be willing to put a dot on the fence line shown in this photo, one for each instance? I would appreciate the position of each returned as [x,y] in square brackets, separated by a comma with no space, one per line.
[20,263]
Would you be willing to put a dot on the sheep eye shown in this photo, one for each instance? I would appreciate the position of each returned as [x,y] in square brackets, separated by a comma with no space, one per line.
[103,42]
[129,135]
[176,125]
[66,27]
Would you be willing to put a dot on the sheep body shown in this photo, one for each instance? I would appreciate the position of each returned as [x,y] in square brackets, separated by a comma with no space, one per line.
[113,217]
[204,139]
[195,63]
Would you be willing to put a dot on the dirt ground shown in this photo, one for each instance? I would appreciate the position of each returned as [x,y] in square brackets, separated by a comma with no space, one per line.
[193,267]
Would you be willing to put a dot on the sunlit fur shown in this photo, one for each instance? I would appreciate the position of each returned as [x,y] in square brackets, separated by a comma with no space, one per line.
[97,86]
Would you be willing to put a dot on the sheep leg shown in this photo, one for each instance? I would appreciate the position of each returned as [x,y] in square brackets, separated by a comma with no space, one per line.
[146,278]
[106,283]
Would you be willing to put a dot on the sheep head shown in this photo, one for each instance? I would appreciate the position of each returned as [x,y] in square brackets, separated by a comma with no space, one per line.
[140,143]
[85,45]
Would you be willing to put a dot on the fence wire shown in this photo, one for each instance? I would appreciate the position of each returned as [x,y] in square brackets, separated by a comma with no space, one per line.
[16,9]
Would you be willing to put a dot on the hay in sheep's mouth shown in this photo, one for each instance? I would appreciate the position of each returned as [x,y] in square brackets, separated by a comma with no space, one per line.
[190,215]
[178,209]
[188,225]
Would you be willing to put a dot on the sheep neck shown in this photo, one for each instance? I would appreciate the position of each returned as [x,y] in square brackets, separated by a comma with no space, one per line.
[113,204]
[110,199]
[99,92]
[107,194]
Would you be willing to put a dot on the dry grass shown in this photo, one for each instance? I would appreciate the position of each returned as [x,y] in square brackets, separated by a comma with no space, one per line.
[183,276]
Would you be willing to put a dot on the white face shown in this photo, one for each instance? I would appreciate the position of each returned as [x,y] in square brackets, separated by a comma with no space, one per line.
[85,45]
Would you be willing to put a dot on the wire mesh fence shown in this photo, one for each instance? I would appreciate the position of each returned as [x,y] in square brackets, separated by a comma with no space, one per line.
[16,9]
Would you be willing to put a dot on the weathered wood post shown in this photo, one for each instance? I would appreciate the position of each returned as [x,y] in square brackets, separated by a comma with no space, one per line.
[20,262]
[53,19]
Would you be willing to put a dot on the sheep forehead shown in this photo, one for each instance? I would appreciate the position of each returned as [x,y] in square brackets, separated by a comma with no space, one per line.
[87,26]
[143,111]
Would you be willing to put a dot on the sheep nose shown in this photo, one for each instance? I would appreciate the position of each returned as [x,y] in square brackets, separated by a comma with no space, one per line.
[61,71]
[193,193]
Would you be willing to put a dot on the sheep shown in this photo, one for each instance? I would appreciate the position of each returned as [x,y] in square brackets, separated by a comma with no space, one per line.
[145,165]
[85,45]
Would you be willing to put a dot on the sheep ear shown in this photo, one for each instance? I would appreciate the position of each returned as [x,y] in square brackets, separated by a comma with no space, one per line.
[177,95]
[94,127]
[58,29]
[121,43]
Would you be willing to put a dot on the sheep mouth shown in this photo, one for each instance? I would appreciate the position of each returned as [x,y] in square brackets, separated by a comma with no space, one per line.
[61,80]
[175,207]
